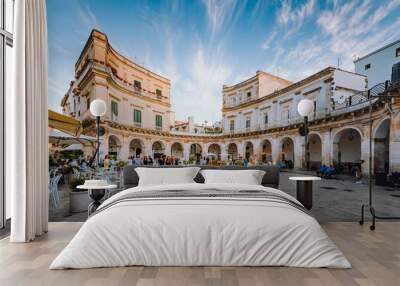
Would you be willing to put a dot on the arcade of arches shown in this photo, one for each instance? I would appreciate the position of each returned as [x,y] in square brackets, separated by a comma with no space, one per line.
[344,146]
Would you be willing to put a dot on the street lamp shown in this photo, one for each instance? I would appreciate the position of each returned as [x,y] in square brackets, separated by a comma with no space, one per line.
[98,108]
[305,108]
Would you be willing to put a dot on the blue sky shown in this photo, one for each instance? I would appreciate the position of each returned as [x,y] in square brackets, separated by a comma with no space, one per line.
[201,45]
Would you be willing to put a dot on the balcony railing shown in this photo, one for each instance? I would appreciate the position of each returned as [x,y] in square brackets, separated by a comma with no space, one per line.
[358,100]
[131,87]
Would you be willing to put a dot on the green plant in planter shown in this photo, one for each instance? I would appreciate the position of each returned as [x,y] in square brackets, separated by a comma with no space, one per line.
[121,164]
[239,163]
[78,180]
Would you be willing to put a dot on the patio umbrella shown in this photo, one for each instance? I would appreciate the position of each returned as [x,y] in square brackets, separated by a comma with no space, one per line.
[64,123]
[61,138]
[73,147]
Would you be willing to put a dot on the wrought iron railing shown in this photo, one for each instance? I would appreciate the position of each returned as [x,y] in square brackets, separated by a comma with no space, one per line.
[358,100]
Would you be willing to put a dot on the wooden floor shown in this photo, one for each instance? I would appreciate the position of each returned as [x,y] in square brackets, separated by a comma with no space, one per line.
[375,257]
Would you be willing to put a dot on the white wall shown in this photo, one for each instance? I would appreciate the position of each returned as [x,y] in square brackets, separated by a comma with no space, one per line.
[349,80]
[381,65]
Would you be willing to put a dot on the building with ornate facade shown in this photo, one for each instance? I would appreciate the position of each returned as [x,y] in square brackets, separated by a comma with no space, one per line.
[260,119]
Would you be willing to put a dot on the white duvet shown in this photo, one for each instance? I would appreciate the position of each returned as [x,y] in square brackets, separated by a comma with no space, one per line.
[200,231]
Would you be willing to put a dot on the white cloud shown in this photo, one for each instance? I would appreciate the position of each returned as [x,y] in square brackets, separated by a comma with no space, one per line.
[87,17]
[268,41]
[199,92]
[222,14]
[289,15]
[355,28]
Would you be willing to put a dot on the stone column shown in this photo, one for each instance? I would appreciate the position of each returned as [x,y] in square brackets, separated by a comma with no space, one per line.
[147,148]
[299,152]
[224,152]
[365,151]
[103,147]
[257,151]
[204,150]
[167,150]
[124,151]
[326,148]
[276,150]
[241,149]
[186,151]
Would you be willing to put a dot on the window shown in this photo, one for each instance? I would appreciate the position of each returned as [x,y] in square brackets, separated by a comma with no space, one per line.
[137,84]
[137,117]
[114,110]
[232,125]
[248,122]
[367,66]
[285,114]
[158,121]
[6,62]
[159,93]
[315,106]
[87,103]
[266,118]
[398,52]
[249,94]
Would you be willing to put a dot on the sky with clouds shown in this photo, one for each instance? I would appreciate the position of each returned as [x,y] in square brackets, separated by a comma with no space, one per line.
[201,45]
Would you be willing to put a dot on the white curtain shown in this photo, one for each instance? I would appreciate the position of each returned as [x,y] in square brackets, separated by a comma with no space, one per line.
[27,141]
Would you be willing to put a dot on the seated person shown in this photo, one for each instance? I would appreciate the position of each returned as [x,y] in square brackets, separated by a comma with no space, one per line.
[322,171]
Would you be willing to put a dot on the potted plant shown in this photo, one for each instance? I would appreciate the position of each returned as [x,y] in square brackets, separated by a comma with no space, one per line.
[78,199]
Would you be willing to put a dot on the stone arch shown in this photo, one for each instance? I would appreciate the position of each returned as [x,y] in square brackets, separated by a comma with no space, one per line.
[266,151]
[114,146]
[287,151]
[177,150]
[249,150]
[381,147]
[232,150]
[347,149]
[136,147]
[315,150]
[158,149]
[196,151]
[215,150]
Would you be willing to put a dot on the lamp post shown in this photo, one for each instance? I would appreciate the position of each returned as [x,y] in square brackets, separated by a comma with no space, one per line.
[98,108]
[305,108]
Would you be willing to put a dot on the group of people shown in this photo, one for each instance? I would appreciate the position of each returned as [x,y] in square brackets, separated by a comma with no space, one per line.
[149,161]
[57,159]
[326,171]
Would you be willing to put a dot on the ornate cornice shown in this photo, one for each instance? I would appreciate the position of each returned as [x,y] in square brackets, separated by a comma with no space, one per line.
[324,123]
[289,88]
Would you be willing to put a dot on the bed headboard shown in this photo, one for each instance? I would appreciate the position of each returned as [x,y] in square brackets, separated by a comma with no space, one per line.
[270,179]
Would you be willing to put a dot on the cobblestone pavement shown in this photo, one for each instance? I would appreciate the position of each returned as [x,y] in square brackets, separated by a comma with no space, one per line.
[337,199]
[340,199]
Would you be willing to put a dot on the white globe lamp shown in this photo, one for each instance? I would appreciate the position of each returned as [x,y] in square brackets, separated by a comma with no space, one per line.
[98,107]
[305,107]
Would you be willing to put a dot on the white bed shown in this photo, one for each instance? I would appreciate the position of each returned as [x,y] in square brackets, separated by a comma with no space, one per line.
[202,231]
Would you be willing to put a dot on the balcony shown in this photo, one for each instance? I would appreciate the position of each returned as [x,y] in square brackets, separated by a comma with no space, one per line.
[138,91]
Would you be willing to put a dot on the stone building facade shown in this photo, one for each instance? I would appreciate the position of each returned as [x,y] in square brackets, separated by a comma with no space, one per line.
[266,124]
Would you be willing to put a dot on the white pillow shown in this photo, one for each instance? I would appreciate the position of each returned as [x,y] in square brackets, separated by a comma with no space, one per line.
[166,176]
[248,177]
